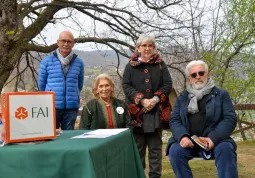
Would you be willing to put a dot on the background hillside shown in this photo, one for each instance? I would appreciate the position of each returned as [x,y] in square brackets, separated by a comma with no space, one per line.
[96,62]
[101,58]
[91,59]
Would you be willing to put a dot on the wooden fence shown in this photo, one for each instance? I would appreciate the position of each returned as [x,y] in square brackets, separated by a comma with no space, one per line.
[243,125]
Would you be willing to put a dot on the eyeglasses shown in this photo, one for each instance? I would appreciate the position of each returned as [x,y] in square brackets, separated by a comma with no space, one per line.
[200,73]
[144,46]
[66,41]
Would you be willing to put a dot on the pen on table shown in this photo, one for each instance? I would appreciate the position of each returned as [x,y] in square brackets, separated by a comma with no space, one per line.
[86,134]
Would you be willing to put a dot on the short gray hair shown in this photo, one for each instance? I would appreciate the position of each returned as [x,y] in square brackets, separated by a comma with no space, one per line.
[195,63]
[145,38]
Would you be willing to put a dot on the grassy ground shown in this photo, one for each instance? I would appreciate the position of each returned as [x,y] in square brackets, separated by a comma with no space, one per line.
[207,169]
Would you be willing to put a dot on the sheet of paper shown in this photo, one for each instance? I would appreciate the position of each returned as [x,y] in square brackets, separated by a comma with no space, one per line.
[91,136]
[100,133]
[107,131]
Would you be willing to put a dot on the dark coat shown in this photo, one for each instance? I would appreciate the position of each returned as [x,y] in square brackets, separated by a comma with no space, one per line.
[95,116]
[145,80]
[220,118]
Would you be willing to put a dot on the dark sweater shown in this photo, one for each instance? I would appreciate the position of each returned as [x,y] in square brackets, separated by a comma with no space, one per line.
[197,120]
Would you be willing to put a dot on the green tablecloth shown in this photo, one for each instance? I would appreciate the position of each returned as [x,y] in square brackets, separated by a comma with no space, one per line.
[112,157]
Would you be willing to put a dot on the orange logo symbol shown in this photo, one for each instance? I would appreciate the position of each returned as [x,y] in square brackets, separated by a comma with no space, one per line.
[21,113]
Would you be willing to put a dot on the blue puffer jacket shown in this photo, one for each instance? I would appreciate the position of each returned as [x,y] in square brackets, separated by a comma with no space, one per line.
[67,88]
[220,118]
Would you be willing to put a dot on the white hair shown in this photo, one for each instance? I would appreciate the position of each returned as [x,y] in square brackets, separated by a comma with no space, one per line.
[195,63]
[146,38]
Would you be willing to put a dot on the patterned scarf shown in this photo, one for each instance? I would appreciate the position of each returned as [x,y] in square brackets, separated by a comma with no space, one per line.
[135,59]
[65,60]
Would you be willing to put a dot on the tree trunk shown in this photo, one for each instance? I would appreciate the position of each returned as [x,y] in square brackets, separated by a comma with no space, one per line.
[8,23]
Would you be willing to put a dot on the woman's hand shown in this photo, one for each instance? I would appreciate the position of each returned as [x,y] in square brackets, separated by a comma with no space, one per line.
[148,104]
[145,103]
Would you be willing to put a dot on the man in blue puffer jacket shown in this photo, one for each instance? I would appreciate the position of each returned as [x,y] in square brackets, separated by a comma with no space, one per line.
[63,73]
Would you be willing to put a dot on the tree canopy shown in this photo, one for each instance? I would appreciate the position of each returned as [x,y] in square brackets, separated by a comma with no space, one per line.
[220,32]
[23,21]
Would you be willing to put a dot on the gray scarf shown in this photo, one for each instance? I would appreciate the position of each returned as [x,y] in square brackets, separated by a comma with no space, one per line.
[196,95]
[65,60]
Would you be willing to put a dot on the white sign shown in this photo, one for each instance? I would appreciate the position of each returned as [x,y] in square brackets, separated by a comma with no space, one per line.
[29,116]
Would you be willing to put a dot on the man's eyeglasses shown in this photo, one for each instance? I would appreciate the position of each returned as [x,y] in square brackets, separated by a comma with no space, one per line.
[66,41]
[144,46]
[200,73]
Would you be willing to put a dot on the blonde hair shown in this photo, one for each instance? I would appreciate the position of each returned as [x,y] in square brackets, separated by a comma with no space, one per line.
[96,82]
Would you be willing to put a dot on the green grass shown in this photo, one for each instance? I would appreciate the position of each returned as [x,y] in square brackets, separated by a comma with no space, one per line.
[93,71]
[207,169]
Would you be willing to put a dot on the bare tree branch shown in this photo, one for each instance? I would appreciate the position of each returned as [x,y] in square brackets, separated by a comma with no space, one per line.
[106,41]
[155,6]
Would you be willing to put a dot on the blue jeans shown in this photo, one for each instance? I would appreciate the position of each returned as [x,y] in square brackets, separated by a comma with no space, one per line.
[224,154]
[66,118]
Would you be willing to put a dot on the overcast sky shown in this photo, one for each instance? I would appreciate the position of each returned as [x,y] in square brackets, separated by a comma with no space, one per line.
[51,32]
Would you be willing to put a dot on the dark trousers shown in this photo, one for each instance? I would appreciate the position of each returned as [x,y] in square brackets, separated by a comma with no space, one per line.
[225,160]
[154,143]
[66,118]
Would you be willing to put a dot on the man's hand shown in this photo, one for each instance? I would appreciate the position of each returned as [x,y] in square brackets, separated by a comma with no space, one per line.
[209,141]
[186,143]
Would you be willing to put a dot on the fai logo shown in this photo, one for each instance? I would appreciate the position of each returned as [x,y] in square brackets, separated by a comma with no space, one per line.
[35,112]
[21,113]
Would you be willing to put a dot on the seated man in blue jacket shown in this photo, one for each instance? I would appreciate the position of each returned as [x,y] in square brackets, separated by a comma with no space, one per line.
[63,73]
[207,112]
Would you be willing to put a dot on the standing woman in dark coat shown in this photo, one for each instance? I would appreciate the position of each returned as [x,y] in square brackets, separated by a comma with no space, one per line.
[147,84]
[104,111]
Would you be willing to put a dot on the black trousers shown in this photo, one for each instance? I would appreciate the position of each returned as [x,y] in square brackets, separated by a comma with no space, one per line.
[154,143]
